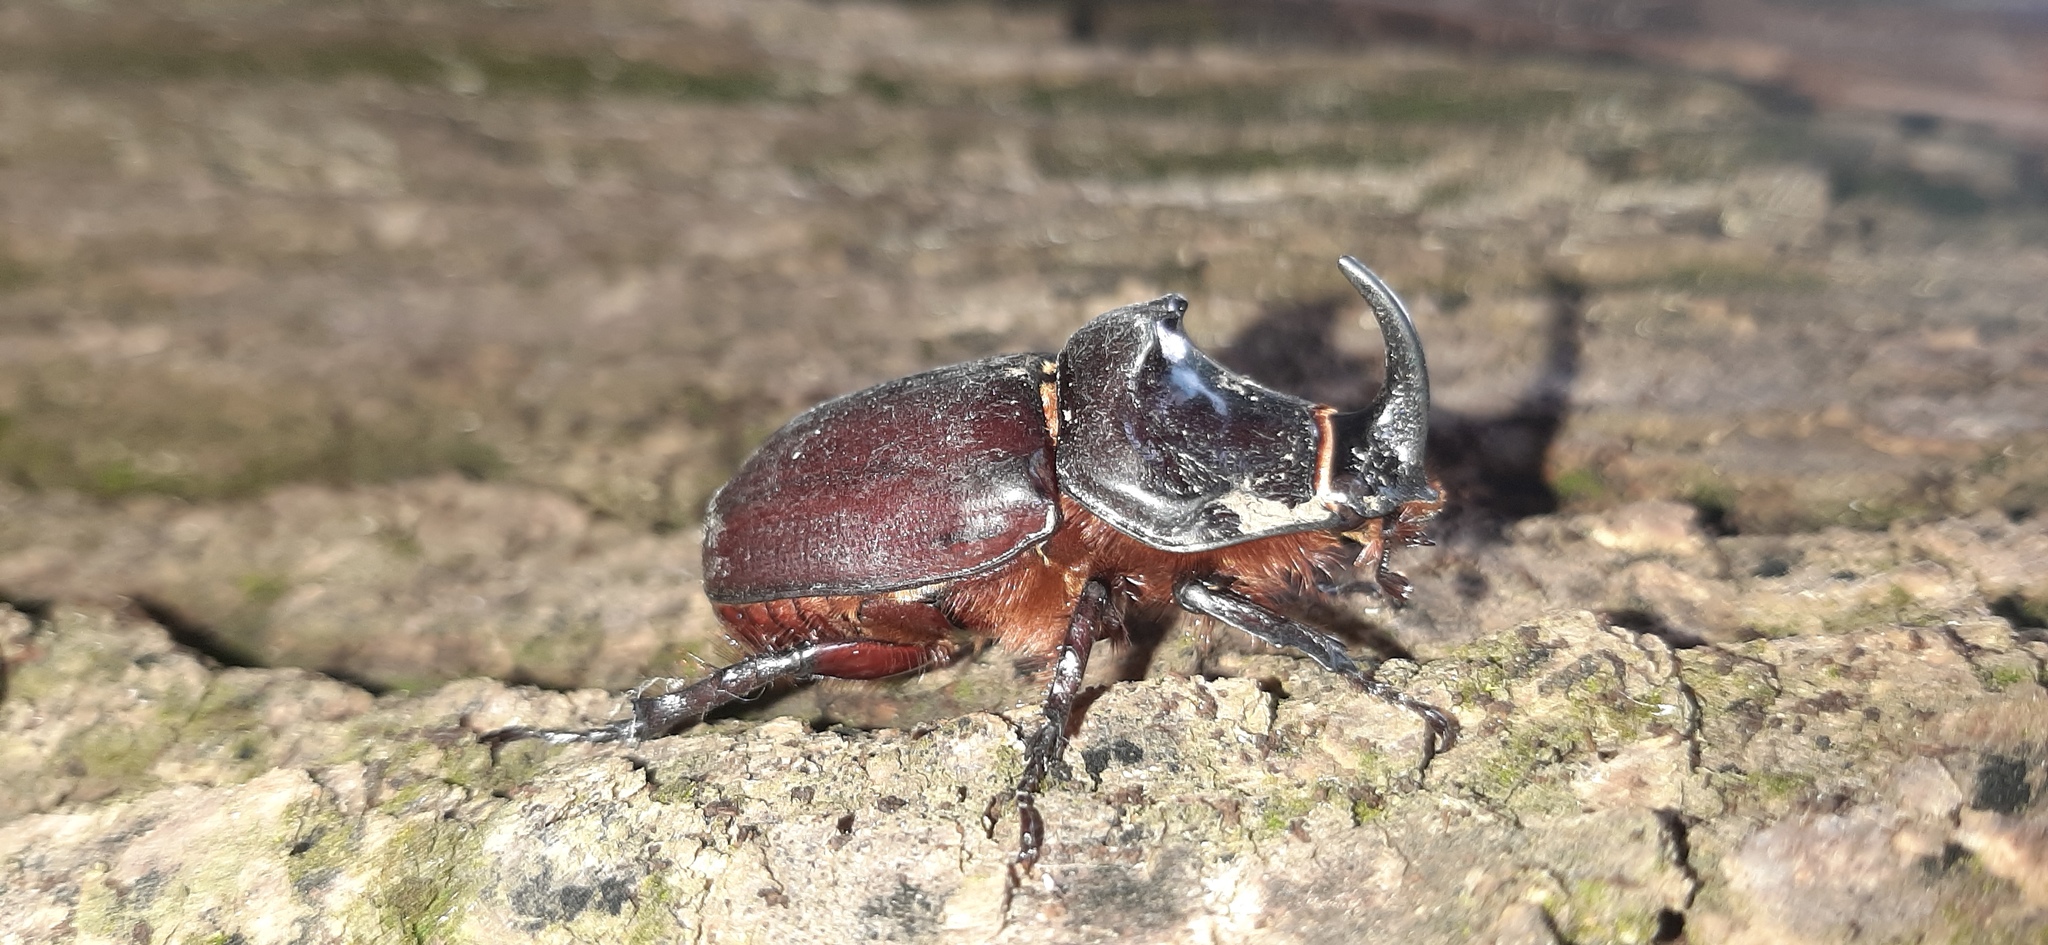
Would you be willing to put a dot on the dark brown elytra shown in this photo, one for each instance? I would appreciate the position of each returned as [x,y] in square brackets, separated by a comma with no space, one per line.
[1035,499]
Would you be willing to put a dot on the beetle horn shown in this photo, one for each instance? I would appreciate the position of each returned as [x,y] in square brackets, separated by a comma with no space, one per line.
[1381,446]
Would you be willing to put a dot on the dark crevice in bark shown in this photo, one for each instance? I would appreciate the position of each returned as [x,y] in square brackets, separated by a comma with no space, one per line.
[203,640]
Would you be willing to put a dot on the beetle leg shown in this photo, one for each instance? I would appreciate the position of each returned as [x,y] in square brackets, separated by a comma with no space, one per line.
[1044,750]
[1204,597]
[655,716]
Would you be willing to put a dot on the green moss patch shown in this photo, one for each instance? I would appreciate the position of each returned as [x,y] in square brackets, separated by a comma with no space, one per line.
[1138,160]
[469,67]
[15,274]
[1426,99]
[421,878]
[114,434]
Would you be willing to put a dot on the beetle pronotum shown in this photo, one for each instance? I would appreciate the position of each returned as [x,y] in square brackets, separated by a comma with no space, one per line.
[1033,499]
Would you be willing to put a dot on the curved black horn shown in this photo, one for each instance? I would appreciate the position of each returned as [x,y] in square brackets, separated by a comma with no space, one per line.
[1386,439]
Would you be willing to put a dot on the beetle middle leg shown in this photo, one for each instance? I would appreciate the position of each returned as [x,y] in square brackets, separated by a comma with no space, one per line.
[1207,597]
[659,715]
[1044,750]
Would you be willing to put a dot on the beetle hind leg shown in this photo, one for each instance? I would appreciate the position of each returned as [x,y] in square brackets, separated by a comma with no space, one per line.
[1045,749]
[1205,597]
[665,713]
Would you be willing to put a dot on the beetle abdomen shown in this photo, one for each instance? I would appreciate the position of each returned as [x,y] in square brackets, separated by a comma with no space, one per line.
[928,478]
[769,626]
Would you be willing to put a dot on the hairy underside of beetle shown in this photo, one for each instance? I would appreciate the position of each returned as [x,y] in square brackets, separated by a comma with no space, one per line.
[1025,603]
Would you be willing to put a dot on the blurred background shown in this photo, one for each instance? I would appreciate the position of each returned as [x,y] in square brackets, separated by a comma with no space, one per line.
[405,341]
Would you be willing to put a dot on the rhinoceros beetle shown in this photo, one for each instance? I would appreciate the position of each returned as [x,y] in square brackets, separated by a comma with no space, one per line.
[1033,499]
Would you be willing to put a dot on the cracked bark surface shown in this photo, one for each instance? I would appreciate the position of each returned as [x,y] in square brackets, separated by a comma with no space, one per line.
[350,353]
[1877,782]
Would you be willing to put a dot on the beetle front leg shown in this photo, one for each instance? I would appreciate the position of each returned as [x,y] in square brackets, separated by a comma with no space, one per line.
[665,714]
[1207,597]
[1044,750]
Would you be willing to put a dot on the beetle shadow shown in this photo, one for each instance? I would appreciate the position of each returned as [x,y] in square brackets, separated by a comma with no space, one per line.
[1495,465]
[1491,465]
